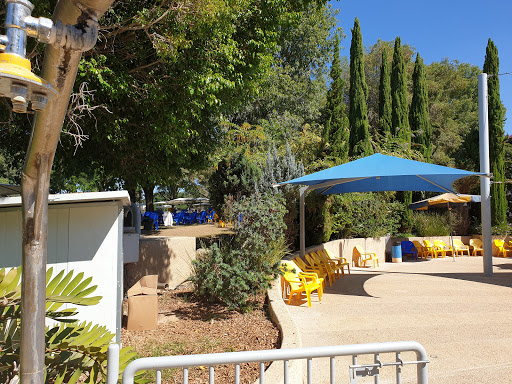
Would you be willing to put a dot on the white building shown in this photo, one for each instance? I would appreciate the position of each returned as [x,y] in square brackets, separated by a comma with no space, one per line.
[85,234]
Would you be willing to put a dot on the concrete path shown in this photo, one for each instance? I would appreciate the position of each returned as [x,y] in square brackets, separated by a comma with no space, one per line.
[462,318]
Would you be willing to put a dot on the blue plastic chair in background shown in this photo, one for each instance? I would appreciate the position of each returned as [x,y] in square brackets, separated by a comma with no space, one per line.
[409,248]
[191,218]
[202,217]
[153,216]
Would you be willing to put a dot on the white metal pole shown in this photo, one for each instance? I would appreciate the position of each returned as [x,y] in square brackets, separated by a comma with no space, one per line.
[485,182]
[302,219]
[451,230]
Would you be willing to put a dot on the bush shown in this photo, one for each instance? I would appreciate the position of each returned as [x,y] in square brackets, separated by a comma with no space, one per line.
[364,215]
[232,272]
[427,224]
[235,177]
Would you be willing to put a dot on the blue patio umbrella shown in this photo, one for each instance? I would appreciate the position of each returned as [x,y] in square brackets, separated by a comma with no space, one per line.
[377,173]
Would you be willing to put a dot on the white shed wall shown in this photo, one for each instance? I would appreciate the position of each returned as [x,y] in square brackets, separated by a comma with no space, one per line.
[84,237]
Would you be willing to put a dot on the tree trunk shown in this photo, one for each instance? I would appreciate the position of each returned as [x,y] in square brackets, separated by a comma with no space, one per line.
[148,193]
[133,195]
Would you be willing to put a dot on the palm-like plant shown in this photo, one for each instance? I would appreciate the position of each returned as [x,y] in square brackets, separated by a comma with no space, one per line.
[73,350]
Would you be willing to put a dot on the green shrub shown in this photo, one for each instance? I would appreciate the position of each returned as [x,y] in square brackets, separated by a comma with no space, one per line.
[427,224]
[234,271]
[364,215]
[318,219]
[235,177]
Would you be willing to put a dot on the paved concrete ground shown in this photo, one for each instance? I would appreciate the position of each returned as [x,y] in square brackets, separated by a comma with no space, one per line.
[462,318]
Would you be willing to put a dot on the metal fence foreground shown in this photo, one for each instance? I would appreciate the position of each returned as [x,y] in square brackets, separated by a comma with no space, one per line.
[236,358]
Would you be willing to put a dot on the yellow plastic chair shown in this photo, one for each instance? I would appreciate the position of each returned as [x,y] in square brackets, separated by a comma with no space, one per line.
[295,267]
[296,283]
[325,267]
[362,257]
[420,248]
[341,262]
[320,258]
[503,248]
[477,246]
[460,247]
[429,249]
[303,267]
[442,249]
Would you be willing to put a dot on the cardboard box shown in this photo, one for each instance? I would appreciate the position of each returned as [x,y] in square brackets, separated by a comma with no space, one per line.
[143,304]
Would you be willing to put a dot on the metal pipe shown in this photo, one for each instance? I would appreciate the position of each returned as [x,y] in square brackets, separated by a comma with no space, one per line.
[113,364]
[302,220]
[485,167]
[59,68]
[16,12]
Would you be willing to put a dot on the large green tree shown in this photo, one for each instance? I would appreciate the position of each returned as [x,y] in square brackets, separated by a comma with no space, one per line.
[164,75]
[496,136]
[453,105]
[419,113]
[292,91]
[372,70]
[336,130]
[400,117]
[400,111]
[385,97]
[358,115]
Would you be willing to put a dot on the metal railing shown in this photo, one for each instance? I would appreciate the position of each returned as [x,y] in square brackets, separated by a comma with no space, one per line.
[211,360]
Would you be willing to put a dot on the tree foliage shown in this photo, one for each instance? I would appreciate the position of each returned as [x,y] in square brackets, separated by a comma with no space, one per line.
[399,111]
[164,75]
[358,92]
[453,106]
[385,97]
[276,170]
[234,177]
[419,113]
[496,136]
[336,125]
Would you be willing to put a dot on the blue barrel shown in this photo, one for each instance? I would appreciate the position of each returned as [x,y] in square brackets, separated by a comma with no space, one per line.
[396,253]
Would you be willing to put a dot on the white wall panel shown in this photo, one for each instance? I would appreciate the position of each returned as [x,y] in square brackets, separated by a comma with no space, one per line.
[84,237]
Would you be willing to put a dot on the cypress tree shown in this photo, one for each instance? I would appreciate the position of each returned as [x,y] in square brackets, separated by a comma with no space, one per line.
[496,135]
[419,116]
[400,115]
[385,96]
[336,130]
[358,93]
[399,111]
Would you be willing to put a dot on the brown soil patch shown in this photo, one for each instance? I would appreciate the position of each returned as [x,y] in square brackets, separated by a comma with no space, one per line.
[188,326]
[194,230]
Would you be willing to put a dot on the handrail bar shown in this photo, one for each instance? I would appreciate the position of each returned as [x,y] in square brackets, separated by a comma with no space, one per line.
[166,362]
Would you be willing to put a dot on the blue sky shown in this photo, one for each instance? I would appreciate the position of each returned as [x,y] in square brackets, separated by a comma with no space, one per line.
[453,29]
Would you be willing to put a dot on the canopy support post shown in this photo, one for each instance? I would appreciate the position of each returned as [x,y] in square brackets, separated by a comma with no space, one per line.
[302,219]
[451,230]
[485,182]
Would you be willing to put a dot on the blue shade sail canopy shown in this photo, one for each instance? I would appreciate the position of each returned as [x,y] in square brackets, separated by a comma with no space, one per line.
[383,173]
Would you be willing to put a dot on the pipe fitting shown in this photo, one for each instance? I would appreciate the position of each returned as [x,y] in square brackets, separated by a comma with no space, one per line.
[20,24]
[40,28]
[79,37]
